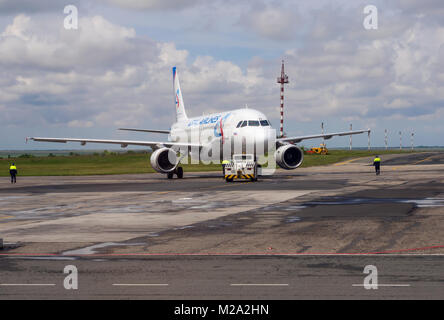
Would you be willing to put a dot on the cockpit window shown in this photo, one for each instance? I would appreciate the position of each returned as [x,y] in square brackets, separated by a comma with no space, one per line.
[253,123]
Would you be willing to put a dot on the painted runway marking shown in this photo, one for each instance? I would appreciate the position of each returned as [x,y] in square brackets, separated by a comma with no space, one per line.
[259,284]
[27,284]
[345,162]
[423,160]
[383,285]
[140,284]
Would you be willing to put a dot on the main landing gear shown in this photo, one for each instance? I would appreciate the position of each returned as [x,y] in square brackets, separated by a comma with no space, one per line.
[178,171]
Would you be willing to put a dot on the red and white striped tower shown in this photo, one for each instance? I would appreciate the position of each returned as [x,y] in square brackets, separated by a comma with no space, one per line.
[282,80]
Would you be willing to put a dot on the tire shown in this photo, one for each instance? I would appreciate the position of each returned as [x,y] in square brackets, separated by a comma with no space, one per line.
[170,175]
[179,172]
[229,180]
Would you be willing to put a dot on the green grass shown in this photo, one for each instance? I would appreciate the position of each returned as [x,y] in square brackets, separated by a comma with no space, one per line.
[98,164]
[137,162]
[335,156]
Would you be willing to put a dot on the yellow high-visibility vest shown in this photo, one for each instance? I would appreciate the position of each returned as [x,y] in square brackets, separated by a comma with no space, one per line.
[377,160]
[12,168]
[225,162]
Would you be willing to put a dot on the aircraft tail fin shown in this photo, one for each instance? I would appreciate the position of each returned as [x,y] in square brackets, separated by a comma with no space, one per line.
[180,107]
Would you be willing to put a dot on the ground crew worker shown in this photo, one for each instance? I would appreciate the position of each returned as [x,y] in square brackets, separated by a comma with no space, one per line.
[377,164]
[224,163]
[13,173]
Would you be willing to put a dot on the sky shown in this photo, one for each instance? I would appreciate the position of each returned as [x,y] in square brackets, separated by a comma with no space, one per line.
[115,69]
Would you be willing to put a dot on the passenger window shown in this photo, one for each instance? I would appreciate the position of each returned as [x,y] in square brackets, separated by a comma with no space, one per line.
[244,124]
[264,123]
[253,123]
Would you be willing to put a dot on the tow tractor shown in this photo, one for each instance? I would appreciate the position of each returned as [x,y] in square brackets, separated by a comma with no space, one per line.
[322,149]
[242,166]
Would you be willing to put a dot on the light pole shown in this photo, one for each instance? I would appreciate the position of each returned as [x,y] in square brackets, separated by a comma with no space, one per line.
[400,140]
[369,139]
[351,129]
[322,128]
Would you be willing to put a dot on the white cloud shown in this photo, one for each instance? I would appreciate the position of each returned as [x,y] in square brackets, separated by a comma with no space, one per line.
[29,6]
[109,74]
[102,74]
[18,27]
[154,4]
[271,22]
[80,124]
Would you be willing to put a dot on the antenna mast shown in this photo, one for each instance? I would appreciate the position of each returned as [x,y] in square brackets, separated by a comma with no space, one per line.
[282,80]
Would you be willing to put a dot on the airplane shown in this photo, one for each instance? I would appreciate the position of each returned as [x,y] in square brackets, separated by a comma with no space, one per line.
[214,130]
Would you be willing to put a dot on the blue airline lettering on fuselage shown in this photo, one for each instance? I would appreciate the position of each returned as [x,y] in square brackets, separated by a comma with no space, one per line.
[214,119]
[206,120]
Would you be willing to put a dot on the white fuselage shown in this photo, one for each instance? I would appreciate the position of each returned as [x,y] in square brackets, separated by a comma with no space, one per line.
[226,127]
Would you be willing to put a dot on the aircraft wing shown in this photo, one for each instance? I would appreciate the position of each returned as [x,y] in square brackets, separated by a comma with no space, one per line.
[325,136]
[123,143]
[146,130]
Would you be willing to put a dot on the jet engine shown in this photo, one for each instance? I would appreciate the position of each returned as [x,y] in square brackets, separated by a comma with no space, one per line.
[164,160]
[289,156]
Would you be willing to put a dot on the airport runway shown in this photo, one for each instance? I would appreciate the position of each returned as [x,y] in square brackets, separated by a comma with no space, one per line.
[227,277]
[285,237]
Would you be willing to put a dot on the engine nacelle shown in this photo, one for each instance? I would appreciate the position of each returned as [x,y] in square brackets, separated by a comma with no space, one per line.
[289,156]
[164,160]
